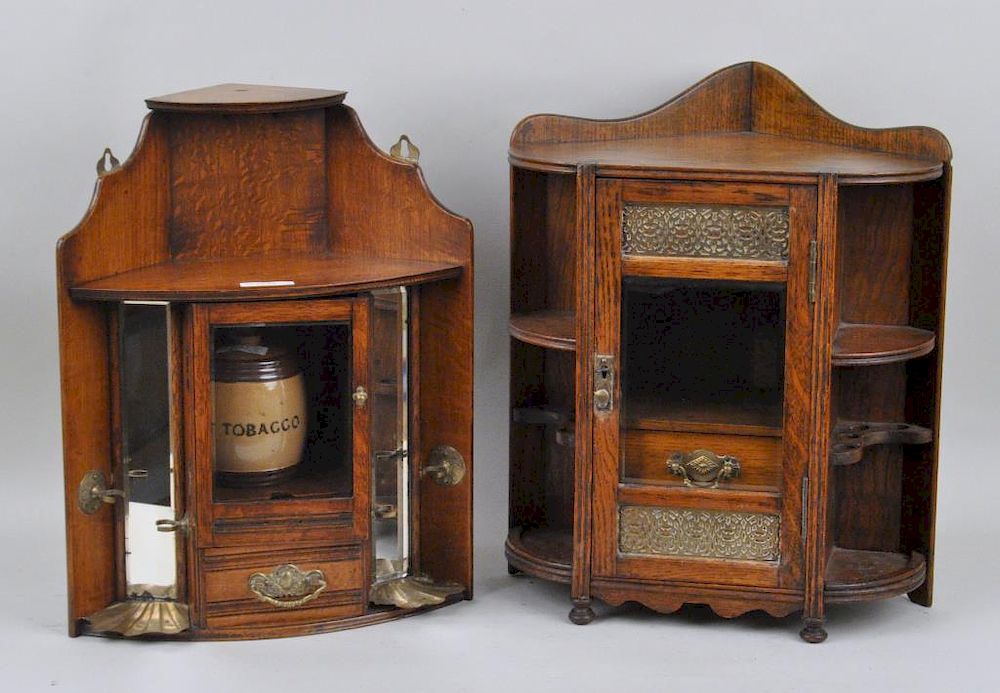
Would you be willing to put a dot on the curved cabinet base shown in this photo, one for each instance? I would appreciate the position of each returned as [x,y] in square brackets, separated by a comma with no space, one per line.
[852,576]
[264,632]
[668,598]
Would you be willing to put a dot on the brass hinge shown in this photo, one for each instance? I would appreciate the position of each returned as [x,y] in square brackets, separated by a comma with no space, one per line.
[805,506]
[813,262]
[604,382]
[390,455]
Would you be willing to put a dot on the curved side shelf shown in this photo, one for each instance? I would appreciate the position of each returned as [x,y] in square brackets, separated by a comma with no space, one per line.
[857,576]
[541,551]
[850,438]
[871,345]
[553,329]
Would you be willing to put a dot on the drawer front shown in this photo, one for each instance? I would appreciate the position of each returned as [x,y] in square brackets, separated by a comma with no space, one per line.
[282,586]
[647,456]
[330,522]
[699,535]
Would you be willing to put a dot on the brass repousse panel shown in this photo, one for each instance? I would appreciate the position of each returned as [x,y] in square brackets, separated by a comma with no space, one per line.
[663,531]
[720,231]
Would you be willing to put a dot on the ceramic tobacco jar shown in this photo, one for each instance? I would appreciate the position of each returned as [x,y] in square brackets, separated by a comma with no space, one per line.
[260,412]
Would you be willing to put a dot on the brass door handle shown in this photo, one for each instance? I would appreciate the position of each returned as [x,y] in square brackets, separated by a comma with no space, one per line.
[93,492]
[287,586]
[446,466]
[602,399]
[703,468]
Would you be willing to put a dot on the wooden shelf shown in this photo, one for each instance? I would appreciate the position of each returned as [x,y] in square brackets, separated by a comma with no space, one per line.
[749,153]
[853,575]
[254,278]
[544,552]
[734,413]
[850,438]
[553,329]
[870,345]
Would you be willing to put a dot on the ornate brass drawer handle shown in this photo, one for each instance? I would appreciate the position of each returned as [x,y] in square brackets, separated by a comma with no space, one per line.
[703,468]
[287,587]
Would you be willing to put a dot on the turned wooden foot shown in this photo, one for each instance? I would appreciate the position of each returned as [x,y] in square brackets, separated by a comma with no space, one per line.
[581,614]
[812,630]
[511,570]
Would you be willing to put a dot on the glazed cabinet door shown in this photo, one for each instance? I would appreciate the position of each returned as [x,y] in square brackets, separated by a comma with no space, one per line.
[701,382]
[279,430]
[279,422]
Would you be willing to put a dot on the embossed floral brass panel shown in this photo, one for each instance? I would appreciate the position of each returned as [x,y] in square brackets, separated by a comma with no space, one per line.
[702,533]
[721,231]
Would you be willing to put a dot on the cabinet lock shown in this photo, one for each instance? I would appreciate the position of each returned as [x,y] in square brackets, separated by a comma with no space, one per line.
[604,382]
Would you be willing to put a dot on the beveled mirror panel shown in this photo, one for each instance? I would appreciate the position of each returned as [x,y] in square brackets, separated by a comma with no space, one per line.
[391,474]
[146,449]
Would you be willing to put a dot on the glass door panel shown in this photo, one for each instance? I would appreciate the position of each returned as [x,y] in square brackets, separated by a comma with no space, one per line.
[702,355]
[282,411]
[281,420]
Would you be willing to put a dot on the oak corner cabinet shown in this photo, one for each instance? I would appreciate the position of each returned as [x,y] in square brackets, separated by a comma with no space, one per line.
[265,332]
[725,329]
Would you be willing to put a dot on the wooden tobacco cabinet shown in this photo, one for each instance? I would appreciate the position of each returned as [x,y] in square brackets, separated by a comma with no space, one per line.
[265,330]
[726,353]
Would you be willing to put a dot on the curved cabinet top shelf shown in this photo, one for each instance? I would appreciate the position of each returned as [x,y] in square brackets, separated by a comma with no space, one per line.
[741,153]
[871,345]
[745,122]
[553,329]
[255,278]
[245,98]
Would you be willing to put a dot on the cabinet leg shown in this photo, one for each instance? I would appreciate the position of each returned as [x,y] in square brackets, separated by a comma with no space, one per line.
[581,614]
[511,570]
[812,630]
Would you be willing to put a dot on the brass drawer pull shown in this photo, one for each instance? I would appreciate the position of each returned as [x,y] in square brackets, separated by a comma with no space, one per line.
[287,587]
[703,468]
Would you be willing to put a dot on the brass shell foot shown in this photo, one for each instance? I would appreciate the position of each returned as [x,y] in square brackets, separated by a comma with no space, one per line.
[148,614]
[412,592]
[812,630]
[581,614]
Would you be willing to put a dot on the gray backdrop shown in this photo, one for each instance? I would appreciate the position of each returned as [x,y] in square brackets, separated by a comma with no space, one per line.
[457,76]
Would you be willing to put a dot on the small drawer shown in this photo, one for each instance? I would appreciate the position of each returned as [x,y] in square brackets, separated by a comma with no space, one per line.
[646,457]
[282,586]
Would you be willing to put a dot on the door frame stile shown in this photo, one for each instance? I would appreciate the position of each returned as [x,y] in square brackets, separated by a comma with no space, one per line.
[824,326]
[583,458]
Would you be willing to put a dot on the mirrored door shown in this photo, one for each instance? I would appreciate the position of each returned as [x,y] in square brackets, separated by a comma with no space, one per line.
[151,550]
